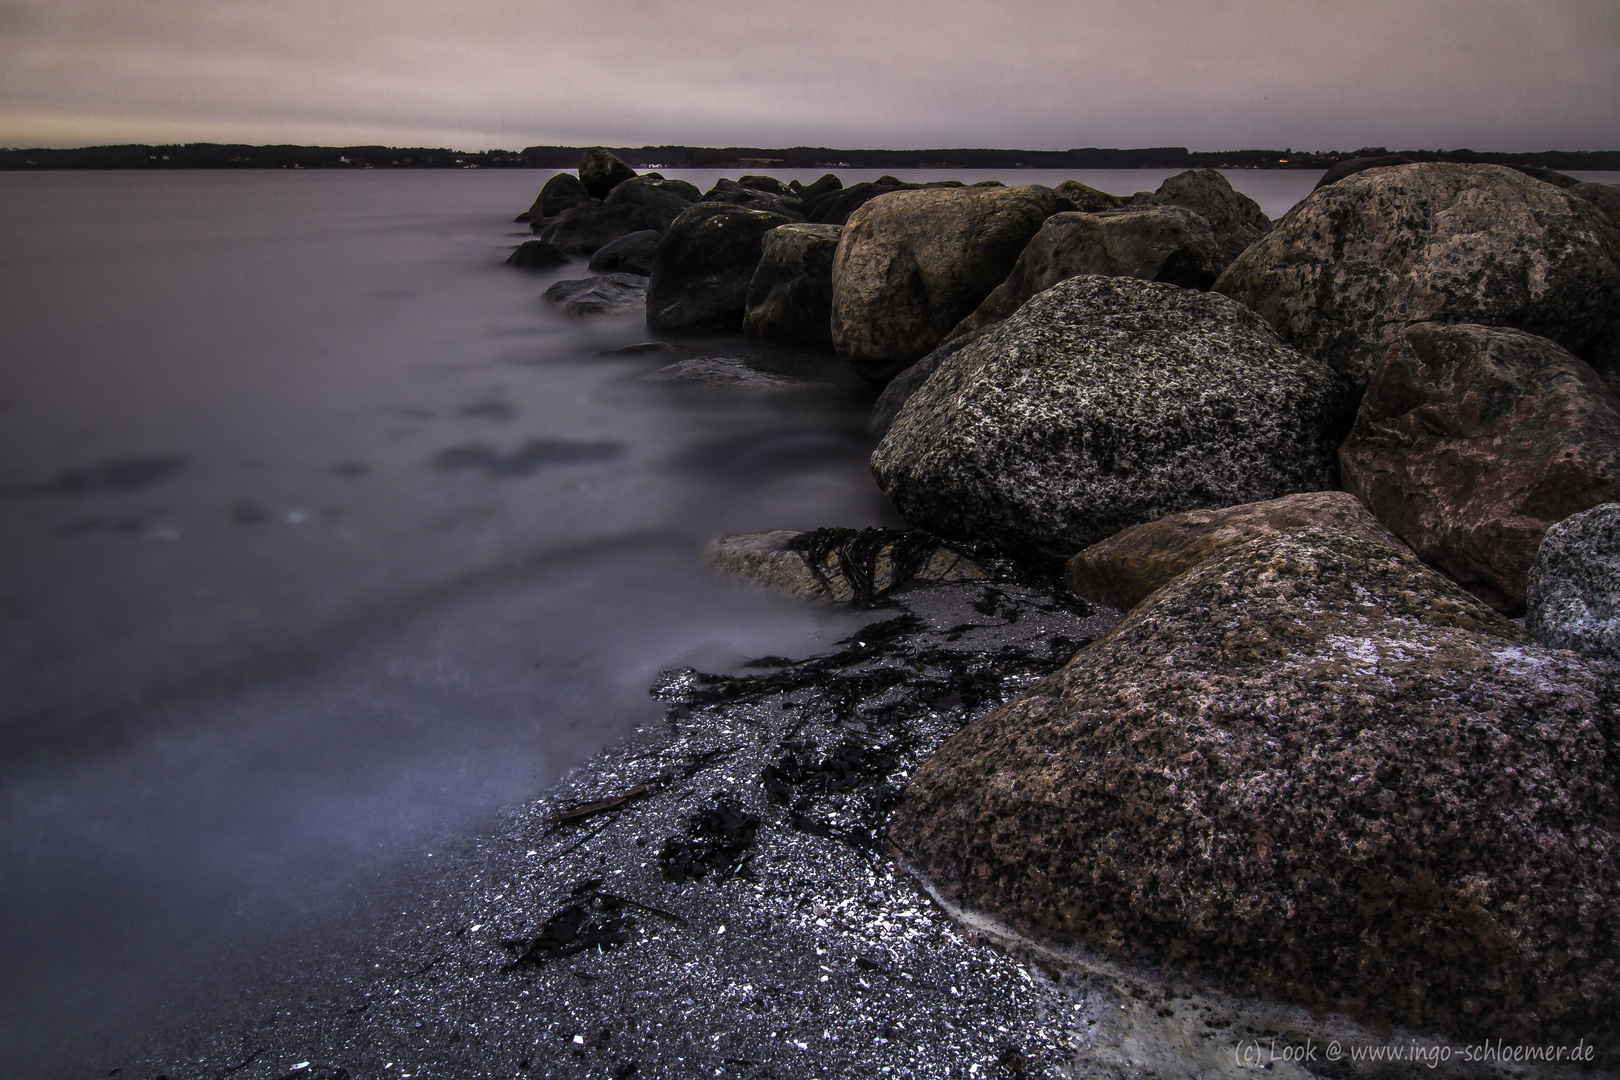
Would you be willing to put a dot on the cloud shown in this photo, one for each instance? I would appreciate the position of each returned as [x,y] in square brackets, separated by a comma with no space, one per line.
[1493,74]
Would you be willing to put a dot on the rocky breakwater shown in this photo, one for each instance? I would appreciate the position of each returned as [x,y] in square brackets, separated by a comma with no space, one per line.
[1312,769]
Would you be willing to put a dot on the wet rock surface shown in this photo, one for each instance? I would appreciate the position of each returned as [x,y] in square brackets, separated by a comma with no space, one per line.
[1123,570]
[1169,244]
[911,264]
[1357,261]
[537,255]
[1315,769]
[790,296]
[1574,584]
[1472,441]
[610,294]
[630,254]
[837,566]
[704,266]
[1105,403]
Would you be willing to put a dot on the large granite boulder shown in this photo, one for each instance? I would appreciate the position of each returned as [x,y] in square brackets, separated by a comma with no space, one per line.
[632,253]
[1574,586]
[561,192]
[790,296]
[908,382]
[1128,567]
[1472,441]
[1315,770]
[1155,243]
[837,566]
[833,207]
[1236,220]
[1104,403]
[1354,262]
[609,294]
[704,266]
[911,264]
[601,172]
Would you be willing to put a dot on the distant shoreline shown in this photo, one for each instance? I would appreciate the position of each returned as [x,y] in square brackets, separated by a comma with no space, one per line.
[234,156]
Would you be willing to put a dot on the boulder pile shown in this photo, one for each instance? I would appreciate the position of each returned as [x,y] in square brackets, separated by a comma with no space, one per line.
[1318,465]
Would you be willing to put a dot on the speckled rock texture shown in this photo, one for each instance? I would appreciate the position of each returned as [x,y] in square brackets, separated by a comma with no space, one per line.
[704,265]
[1158,243]
[1574,586]
[600,171]
[1356,261]
[1123,570]
[780,562]
[1472,441]
[902,386]
[1105,403]
[1315,769]
[911,264]
[790,296]
[1236,220]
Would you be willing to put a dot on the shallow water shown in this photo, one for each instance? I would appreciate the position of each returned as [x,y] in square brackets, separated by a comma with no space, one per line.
[325,539]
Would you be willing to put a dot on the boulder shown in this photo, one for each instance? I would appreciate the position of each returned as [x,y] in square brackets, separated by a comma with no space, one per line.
[903,385]
[723,373]
[1073,195]
[561,192]
[911,264]
[1123,570]
[1315,770]
[1606,197]
[1472,441]
[536,255]
[1574,585]
[1236,220]
[790,296]
[1156,243]
[768,184]
[809,192]
[629,254]
[729,191]
[676,195]
[835,206]
[601,172]
[1105,403]
[837,566]
[586,229]
[611,294]
[1354,262]
[1546,176]
[1352,166]
[703,268]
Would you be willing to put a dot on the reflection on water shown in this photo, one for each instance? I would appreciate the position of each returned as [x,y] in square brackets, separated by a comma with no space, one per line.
[324,539]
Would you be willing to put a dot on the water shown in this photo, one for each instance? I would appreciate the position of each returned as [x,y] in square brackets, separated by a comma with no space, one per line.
[324,539]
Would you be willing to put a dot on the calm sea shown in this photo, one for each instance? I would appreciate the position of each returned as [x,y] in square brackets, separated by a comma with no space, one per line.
[324,539]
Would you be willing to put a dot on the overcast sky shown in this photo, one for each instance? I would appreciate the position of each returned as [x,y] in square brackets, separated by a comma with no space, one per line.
[1033,74]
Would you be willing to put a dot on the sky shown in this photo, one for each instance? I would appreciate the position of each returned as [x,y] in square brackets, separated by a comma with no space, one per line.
[1028,74]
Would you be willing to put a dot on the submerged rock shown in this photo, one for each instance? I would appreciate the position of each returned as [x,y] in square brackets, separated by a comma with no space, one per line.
[610,294]
[1105,403]
[837,566]
[1123,570]
[704,266]
[629,254]
[1314,769]
[1472,441]
[790,296]
[537,255]
[1574,584]
[1355,262]
[717,373]
[1159,243]
[911,264]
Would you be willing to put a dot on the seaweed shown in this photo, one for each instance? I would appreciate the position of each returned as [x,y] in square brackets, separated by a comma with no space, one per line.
[721,838]
[594,920]
[857,551]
